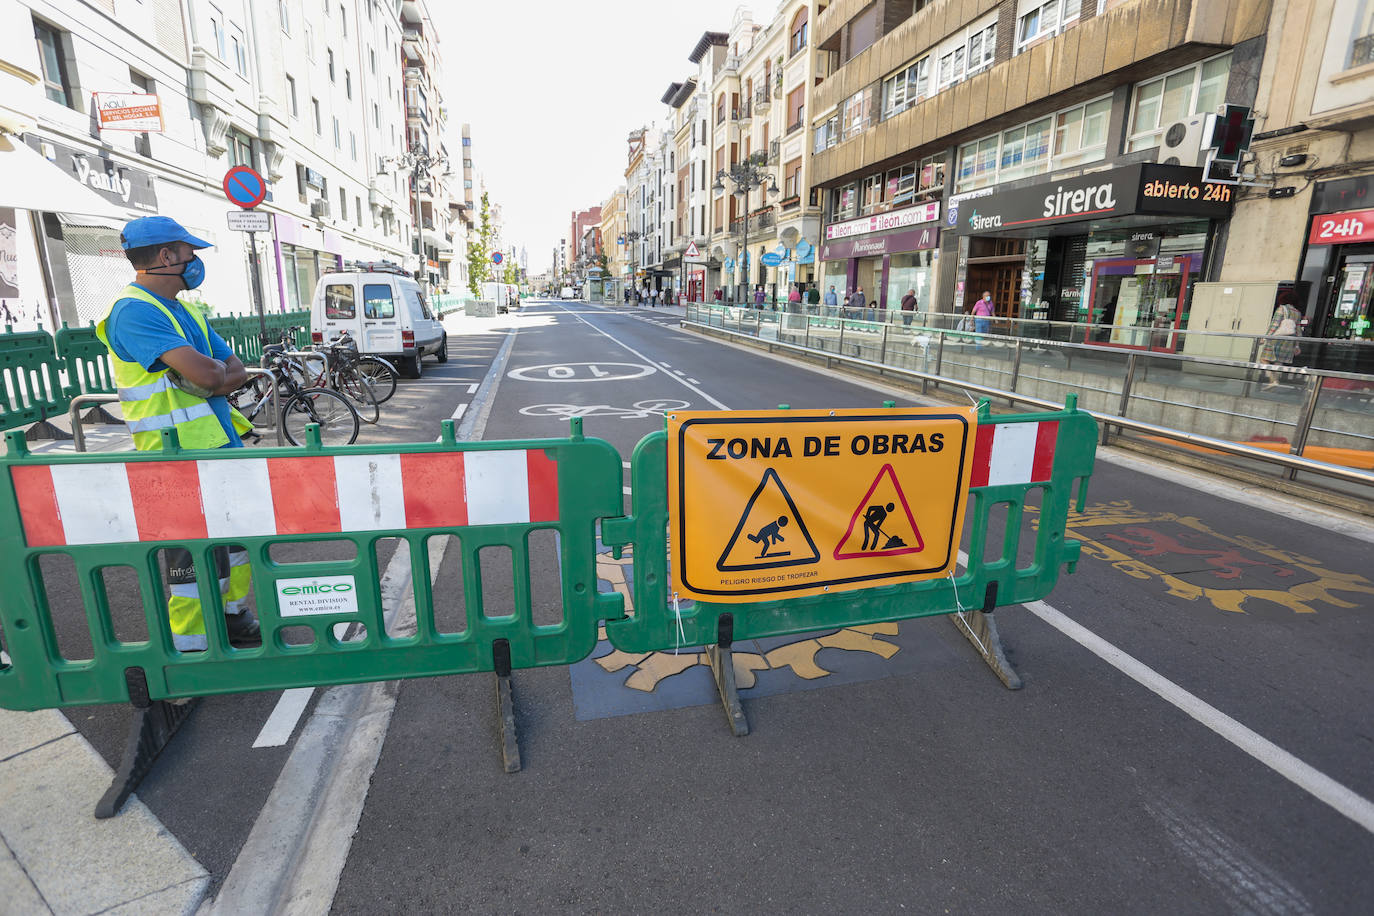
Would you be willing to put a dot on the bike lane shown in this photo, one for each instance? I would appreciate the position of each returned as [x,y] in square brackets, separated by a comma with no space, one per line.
[919,779]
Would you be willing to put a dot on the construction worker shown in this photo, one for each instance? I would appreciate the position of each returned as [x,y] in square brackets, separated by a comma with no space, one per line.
[173,371]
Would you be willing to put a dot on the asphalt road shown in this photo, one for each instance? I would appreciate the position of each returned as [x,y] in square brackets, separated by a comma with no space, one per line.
[916,781]
[1224,769]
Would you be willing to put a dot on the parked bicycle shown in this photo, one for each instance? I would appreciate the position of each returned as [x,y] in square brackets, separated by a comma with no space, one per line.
[298,404]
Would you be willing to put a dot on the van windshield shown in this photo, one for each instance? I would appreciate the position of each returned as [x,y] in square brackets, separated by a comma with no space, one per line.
[339,301]
[377,301]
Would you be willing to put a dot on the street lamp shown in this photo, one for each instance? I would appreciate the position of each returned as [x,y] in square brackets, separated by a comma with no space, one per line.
[631,237]
[420,165]
[751,173]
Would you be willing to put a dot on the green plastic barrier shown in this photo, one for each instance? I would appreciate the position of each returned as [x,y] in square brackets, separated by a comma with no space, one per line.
[654,625]
[86,360]
[467,489]
[30,387]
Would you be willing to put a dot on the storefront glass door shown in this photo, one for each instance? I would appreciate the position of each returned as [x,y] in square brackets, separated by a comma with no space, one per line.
[1139,303]
[1353,306]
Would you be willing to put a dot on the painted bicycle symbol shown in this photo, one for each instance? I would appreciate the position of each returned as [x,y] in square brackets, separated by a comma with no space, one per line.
[640,410]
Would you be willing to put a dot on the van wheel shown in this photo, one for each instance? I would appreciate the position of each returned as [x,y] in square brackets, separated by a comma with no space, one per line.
[442,355]
[413,366]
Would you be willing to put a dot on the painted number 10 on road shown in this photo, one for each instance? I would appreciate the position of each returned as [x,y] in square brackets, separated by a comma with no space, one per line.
[582,372]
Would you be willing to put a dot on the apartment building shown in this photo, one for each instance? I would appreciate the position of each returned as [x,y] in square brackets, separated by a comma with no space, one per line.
[1044,151]
[729,203]
[1315,145]
[309,93]
[612,228]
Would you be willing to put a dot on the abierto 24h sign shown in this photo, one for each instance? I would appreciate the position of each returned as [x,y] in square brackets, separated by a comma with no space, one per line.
[786,503]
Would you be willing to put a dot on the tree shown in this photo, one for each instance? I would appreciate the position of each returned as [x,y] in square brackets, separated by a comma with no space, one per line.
[479,251]
[512,273]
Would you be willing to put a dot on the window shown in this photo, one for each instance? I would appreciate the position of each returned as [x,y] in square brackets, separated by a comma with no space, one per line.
[376,115]
[900,186]
[343,204]
[142,142]
[240,52]
[863,31]
[353,146]
[284,14]
[796,107]
[291,96]
[791,184]
[1025,150]
[827,135]
[1172,97]
[309,41]
[720,108]
[1080,134]
[965,54]
[870,194]
[906,87]
[348,84]
[52,59]
[315,110]
[358,209]
[329,56]
[240,147]
[378,301]
[856,113]
[1041,19]
[217,34]
[371,56]
[343,20]
[977,164]
[844,202]
[340,303]
[336,134]
[798,40]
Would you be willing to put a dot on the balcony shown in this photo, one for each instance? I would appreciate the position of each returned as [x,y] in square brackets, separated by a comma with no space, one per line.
[797,124]
[742,113]
[762,100]
[413,44]
[758,221]
[774,151]
[790,203]
[417,113]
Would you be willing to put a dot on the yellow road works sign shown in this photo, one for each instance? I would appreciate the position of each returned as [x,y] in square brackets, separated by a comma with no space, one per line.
[784,503]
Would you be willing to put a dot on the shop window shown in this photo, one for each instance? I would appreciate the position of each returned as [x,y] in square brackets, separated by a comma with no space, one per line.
[52,59]
[1170,98]
[901,185]
[378,301]
[931,174]
[1041,19]
[339,302]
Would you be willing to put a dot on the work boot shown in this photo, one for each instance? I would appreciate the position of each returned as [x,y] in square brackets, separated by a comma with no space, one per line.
[244,632]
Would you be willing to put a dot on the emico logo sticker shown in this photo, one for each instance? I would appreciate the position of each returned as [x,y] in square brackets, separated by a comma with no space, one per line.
[317,595]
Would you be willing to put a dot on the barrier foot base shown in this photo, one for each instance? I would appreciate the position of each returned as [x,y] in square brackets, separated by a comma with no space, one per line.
[44,429]
[505,708]
[721,658]
[153,726]
[981,631]
[99,416]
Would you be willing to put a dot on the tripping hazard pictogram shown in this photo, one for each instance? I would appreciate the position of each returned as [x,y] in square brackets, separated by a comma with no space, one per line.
[770,533]
[882,524]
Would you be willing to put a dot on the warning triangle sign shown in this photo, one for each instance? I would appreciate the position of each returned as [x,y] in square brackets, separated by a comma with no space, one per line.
[771,532]
[882,524]
[692,251]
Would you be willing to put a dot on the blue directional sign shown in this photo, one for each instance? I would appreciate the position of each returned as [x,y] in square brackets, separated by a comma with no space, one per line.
[244,187]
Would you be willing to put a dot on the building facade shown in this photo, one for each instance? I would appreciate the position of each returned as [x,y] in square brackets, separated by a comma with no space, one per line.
[1046,153]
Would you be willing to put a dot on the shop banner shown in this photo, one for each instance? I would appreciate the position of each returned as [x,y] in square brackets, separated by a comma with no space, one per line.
[1149,188]
[879,222]
[910,240]
[119,184]
[1342,228]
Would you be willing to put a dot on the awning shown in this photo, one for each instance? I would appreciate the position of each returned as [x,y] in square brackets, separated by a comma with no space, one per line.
[33,183]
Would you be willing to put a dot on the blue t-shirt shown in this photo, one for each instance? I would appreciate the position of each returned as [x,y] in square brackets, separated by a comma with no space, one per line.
[139,333]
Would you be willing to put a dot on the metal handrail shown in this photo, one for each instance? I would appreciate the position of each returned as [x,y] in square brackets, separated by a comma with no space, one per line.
[1292,462]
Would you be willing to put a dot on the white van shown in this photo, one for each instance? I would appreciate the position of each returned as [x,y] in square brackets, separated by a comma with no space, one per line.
[382,307]
[568,293]
[503,294]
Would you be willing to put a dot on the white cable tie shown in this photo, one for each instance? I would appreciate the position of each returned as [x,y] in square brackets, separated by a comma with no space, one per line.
[960,613]
[681,636]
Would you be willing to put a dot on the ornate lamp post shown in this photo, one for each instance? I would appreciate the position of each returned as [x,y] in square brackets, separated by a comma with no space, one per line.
[421,166]
[634,235]
[745,176]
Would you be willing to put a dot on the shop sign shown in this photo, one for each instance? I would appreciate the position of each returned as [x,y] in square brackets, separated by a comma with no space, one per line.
[9,255]
[1342,194]
[1148,188]
[1342,228]
[897,219]
[910,240]
[119,184]
[136,111]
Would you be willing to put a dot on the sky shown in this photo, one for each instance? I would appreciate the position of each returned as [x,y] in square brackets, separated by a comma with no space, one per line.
[552,89]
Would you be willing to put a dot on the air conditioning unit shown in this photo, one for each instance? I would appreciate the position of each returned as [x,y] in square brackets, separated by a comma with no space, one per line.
[1181,143]
[319,209]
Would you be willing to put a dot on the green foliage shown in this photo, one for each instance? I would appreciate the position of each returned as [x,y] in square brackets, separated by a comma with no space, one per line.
[479,251]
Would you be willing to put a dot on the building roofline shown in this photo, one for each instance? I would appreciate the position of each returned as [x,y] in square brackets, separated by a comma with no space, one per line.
[707,40]
[671,93]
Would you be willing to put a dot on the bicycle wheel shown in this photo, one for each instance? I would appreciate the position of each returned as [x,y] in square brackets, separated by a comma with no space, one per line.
[381,374]
[334,412]
[351,382]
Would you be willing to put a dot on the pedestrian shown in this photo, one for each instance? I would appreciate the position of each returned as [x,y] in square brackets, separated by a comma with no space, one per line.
[794,295]
[813,298]
[908,307]
[832,302]
[173,372]
[759,296]
[716,295]
[983,311]
[627,295]
[858,301]
[1276,351]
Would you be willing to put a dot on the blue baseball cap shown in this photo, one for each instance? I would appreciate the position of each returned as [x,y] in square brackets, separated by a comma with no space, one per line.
[157,230]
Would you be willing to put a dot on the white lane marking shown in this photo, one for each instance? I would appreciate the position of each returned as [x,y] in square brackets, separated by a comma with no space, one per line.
[681,381]
[282,722]
[458,414]
[1318,784]
[680,372]
[694,381]
[472,387]
[625,490]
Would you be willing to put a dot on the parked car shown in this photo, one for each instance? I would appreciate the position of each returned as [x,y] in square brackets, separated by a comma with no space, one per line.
[382,307]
